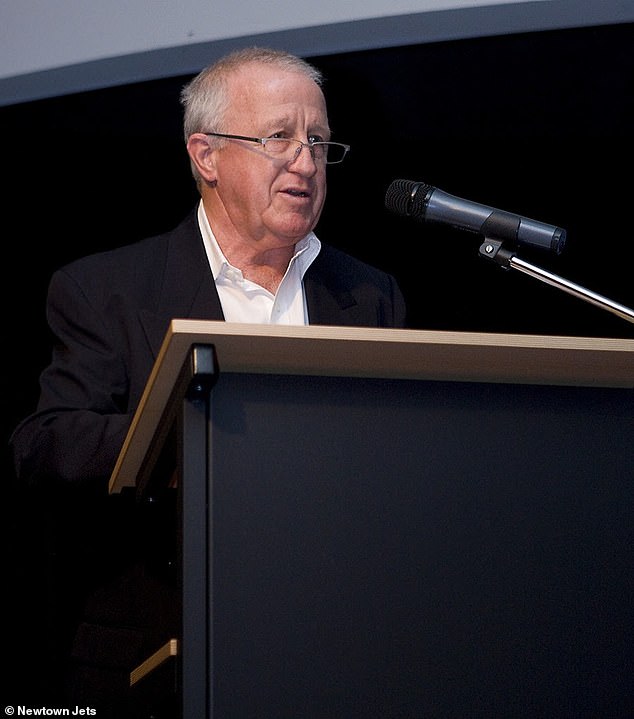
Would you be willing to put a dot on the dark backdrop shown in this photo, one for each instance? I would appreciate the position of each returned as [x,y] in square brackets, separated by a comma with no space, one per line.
[538,123]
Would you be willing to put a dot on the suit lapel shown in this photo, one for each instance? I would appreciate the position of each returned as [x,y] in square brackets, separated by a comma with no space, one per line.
[188,290]
[329,300]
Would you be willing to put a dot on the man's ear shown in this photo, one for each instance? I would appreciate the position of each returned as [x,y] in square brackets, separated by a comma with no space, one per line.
[202,156]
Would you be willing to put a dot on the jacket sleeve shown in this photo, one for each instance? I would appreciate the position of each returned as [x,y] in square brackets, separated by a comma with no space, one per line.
[82,415]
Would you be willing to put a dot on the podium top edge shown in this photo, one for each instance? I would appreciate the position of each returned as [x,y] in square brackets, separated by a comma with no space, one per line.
[390,335]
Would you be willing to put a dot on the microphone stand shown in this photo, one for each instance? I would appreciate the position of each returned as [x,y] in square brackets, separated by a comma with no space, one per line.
[492,249]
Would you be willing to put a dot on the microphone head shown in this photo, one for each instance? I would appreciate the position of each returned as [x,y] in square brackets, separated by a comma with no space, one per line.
[409,198]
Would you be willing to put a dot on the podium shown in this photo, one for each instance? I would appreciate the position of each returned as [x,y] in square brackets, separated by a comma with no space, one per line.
[392,523]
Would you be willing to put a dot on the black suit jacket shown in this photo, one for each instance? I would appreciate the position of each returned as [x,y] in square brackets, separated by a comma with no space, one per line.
[109,313]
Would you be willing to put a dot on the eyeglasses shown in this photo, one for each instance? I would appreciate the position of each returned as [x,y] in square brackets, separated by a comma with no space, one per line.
[331,153]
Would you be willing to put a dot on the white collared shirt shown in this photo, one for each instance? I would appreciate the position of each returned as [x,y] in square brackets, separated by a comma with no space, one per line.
[246,301]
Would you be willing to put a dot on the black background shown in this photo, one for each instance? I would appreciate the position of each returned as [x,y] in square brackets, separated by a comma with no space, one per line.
[539,124]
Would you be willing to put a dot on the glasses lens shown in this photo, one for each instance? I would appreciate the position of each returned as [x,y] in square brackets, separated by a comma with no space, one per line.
[333,152]
[279,146]
[329,152]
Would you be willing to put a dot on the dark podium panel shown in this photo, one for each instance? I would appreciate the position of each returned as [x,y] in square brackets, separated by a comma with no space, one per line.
[418,549]
[364,536]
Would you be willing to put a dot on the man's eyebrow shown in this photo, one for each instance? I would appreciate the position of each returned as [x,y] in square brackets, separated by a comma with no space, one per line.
[279,121]
[283,121]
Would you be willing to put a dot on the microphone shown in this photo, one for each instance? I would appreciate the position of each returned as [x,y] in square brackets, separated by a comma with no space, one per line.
[429,204]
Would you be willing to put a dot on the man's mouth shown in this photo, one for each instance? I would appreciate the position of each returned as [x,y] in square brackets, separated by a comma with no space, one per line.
[297,193]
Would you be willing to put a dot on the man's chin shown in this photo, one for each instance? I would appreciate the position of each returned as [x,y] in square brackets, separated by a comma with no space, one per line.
[294,232]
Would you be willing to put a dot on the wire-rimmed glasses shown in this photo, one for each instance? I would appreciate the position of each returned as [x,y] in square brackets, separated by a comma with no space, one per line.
[332,153]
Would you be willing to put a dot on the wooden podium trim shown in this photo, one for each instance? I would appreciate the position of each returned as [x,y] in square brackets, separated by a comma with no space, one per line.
[160,656]
[373,352]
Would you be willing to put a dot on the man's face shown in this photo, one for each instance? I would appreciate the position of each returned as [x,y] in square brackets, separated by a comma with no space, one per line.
[269,200]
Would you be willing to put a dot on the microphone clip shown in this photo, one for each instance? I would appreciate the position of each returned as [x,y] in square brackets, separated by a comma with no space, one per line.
[500,228]
[495,250]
